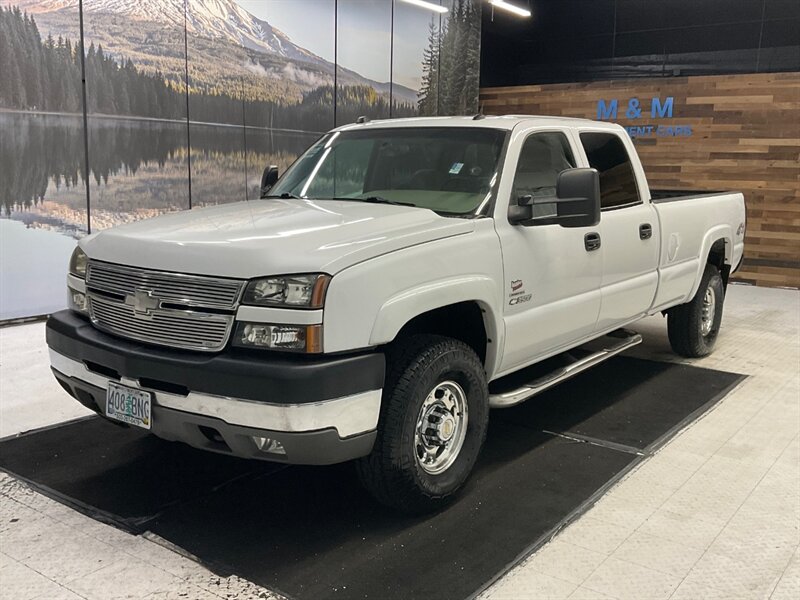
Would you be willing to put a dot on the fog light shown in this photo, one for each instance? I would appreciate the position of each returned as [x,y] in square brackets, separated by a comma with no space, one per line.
[77,301]
[269,445]
[303,338]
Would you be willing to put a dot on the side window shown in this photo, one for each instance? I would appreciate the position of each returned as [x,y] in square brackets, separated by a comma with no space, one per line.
[543,157]
[608,155]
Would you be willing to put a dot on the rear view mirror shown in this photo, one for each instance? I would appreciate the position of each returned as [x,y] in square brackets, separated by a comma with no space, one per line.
[268,179]
[576,203]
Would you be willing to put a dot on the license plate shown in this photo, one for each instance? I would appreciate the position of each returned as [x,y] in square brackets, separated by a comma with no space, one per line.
[129,405]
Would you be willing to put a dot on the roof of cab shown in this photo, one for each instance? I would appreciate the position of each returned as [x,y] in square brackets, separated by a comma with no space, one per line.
[504,122]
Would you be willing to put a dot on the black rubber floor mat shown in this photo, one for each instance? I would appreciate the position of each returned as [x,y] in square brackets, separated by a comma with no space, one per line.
[313,533]
[126,473]
[627,401]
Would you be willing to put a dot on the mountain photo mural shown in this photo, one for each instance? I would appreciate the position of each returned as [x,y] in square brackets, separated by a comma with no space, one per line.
[186,101]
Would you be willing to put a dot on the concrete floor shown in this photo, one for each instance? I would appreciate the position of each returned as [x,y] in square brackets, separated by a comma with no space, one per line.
[714,514]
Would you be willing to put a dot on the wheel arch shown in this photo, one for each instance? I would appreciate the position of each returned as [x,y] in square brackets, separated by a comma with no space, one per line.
[461,309]
[720,255]
[717,249]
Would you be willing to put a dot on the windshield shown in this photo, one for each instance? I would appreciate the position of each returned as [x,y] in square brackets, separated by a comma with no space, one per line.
[446,169]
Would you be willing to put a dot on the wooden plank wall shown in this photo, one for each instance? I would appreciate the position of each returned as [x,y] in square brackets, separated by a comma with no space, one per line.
[745,136]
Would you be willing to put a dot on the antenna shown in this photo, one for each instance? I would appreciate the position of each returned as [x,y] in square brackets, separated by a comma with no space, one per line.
[362,119]
[480,114]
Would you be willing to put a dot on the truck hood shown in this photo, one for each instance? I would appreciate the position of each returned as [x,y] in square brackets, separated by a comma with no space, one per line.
[271,237]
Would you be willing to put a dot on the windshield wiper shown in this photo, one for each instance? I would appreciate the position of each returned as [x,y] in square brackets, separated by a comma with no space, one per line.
[377,200]
[284,196]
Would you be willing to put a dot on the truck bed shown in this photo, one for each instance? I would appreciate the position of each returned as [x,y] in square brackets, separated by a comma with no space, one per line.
[659,196]
[688,230]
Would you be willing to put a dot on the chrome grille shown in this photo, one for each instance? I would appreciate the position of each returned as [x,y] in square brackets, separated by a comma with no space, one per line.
[177,328]
[193,312]
[171,288]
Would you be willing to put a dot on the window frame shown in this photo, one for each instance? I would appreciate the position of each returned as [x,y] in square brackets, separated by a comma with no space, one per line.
[639,194]
[563,133]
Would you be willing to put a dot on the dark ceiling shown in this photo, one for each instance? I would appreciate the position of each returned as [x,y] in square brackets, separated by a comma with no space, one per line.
[590,40]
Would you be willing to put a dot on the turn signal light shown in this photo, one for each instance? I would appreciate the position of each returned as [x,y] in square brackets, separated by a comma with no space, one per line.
[77,301]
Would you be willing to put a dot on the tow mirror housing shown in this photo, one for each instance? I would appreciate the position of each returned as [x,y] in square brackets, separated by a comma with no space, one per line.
[268,179]
[576,203]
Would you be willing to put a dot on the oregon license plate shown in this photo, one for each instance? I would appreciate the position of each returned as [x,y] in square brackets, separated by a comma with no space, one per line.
[129,405]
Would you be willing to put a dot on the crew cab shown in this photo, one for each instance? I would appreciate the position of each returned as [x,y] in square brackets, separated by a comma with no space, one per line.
[372,305]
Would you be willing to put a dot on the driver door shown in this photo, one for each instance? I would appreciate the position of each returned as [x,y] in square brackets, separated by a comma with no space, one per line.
[552,274]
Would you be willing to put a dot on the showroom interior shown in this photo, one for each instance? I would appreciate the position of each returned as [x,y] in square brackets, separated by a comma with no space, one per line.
[400,299]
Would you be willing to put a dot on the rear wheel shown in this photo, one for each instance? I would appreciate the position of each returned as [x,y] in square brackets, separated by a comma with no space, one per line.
[693,327]
[434,415]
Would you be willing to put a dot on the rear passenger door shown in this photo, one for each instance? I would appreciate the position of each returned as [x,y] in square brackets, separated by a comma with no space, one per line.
[629,230]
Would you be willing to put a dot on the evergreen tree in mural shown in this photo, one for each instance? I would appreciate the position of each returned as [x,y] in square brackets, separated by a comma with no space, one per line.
[53,74]
[451,64]
[429,88]
[36,75]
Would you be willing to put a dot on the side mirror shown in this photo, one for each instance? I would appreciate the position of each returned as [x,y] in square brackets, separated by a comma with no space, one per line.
[576,203]
[268,179]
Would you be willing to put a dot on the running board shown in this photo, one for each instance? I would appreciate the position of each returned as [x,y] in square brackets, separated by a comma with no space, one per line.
[621,340]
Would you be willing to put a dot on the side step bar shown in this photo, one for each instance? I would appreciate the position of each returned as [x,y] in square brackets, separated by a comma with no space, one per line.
[621,340]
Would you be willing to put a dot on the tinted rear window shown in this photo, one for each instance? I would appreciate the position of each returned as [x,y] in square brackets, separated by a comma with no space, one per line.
[608,155]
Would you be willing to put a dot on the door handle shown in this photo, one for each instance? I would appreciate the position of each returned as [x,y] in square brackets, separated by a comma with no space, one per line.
[645,231]
[591,241]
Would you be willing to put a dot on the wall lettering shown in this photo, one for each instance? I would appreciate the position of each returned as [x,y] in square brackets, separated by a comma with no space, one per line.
[607,110]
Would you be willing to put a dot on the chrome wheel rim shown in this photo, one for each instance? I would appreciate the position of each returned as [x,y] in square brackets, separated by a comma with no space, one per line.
[441,427]
[708,312]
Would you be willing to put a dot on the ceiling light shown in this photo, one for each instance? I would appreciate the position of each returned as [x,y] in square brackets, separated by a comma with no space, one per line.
[428,5]
[512,8]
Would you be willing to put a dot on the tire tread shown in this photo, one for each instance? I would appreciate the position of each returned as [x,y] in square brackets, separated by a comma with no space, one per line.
[388,482]
[683,321]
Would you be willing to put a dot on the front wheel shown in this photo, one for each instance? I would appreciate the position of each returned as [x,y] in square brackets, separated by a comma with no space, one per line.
[434,415]
[693,327]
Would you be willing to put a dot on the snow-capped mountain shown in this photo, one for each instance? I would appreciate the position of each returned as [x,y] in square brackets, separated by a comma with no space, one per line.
[226,24]
[216,19]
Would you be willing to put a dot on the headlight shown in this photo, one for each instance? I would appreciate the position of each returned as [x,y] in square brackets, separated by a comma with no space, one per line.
[77,263]
[289,291]
[298,338]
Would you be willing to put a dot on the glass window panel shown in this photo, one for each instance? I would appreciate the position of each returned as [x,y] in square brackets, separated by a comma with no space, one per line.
[608,155]
[289,105]
[459,60]
[364,59]
[42,195]
[543,157]
[220,67]
[135,82]
[415,68]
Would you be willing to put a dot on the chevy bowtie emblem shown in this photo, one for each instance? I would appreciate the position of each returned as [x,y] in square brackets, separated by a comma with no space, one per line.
[143,302]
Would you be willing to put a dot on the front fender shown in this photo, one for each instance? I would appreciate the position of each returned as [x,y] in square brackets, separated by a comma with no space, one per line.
[408,304]
[367,304]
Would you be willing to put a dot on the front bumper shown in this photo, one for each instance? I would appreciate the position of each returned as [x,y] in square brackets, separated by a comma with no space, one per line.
[316,411]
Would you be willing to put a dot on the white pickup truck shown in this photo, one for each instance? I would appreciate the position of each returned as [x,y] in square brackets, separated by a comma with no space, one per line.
[372,304]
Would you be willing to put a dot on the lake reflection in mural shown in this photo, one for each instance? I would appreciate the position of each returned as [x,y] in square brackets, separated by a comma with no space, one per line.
[258,79]
[138,170]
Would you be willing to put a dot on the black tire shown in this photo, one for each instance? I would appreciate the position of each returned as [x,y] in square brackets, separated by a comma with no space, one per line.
[415,366]
[685,322]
